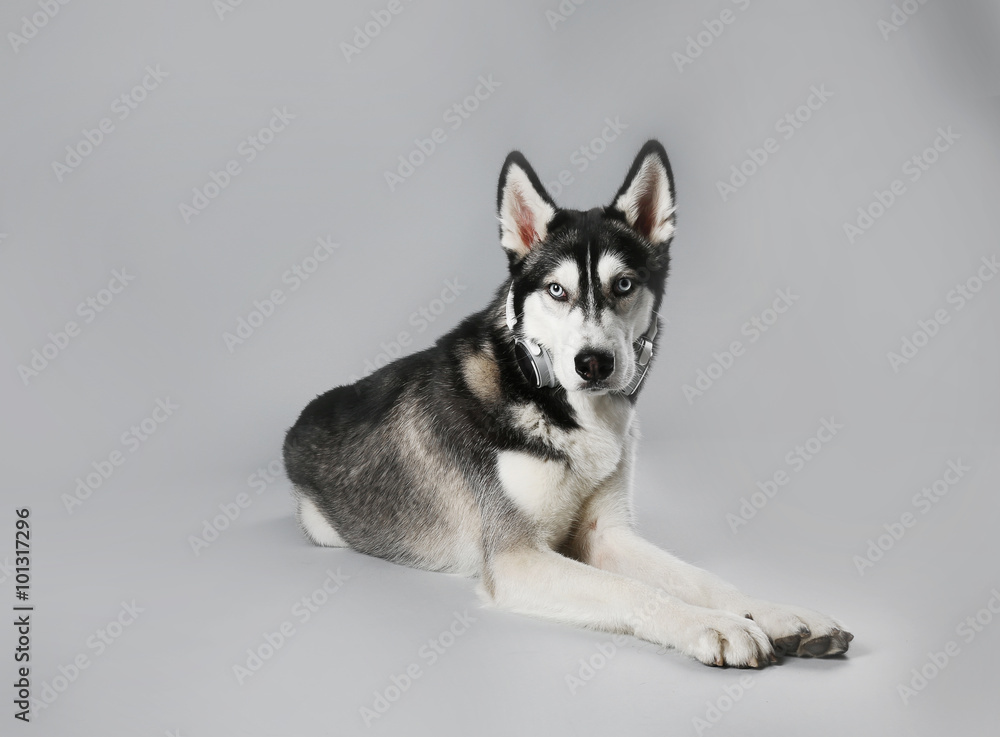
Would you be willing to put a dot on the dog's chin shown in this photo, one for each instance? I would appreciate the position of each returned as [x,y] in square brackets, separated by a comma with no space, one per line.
[593,388]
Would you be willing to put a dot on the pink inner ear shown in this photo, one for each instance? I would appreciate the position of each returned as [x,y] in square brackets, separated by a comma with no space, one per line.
[524,219]
[528,234]
[645,218]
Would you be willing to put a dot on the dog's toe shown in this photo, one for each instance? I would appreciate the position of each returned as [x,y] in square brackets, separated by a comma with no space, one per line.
[835,643]
[816,647]
[787,645]
[798,631]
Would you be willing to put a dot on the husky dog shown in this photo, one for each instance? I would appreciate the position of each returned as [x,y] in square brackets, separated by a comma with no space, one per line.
[506,451]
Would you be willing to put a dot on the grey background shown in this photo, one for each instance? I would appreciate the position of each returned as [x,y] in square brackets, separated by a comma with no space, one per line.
[172,670]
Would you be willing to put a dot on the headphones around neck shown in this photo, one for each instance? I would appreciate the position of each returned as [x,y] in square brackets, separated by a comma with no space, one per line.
[536,364]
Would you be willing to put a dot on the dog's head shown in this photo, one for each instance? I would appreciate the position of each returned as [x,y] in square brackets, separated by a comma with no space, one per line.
[586,285]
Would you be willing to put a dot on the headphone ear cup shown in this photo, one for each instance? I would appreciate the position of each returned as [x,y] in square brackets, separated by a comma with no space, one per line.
[526,363]
[546,374]
[643,353]
[640,375]
[535,364]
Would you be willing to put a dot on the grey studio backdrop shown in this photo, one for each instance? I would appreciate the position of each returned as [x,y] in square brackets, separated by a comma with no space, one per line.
[213,211]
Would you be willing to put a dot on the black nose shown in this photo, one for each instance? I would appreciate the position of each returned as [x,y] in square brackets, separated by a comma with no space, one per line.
[595,365]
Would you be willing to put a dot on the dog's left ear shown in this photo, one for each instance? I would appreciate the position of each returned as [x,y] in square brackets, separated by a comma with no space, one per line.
[523,207]
[646,199]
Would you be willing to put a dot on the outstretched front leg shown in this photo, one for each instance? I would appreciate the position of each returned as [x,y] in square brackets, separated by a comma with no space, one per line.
[540,582]
[605,539]
[794,630]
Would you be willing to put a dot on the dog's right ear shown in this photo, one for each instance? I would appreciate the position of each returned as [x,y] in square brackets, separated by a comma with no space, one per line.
[524,208]
[646,199]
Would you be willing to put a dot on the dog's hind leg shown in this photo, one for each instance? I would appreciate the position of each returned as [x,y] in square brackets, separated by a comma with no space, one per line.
[316,527]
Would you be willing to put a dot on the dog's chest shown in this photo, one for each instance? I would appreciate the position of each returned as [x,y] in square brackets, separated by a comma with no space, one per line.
[552,491]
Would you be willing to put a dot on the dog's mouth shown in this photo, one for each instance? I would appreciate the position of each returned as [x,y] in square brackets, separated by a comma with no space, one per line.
[601,386]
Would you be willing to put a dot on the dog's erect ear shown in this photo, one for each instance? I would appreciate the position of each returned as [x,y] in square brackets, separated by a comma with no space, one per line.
[523,207]
[646,199]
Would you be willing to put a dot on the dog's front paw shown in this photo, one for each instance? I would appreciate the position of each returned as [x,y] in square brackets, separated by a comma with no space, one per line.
[720,638]
[798,631]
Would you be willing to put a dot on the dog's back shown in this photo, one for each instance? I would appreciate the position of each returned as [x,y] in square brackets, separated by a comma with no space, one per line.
[392,460]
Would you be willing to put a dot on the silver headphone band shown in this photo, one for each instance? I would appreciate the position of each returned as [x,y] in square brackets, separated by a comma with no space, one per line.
[511,316]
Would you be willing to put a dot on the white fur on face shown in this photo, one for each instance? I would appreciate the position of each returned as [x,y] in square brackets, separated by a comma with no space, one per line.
[568,276]
[609,267]
[565,330]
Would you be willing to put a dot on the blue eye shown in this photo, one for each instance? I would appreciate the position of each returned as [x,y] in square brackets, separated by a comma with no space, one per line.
[557,292]
[623,286]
